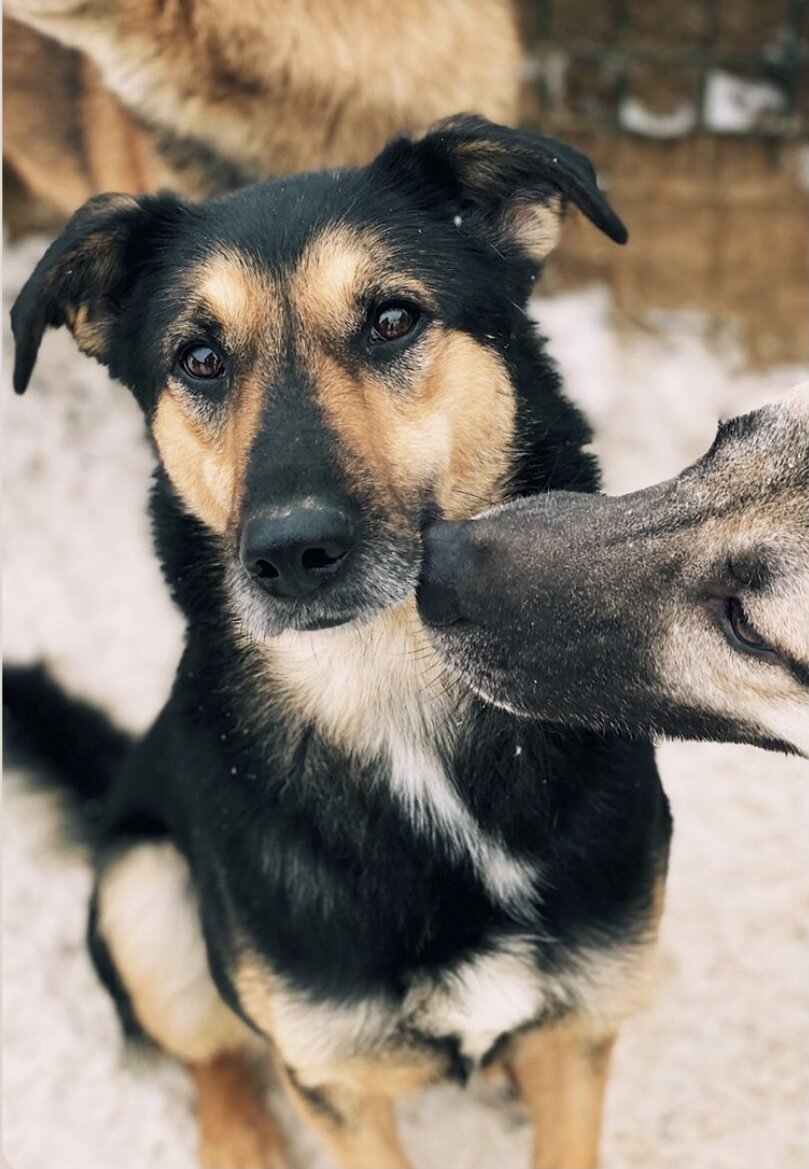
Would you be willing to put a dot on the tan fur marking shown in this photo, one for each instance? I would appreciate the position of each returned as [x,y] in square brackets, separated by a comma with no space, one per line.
[207,462]
[148,918]
[394,1069]
[239,297]
[91,335]
[253,981]
[88,317]
[561,1074]
[658,906]
[450,428]
[472,388]
[358,1127]
[393,1073]
[336,271]
[193,463]
[537,226]
[206,458]
[236,1131]
[367,683]
[561,1070]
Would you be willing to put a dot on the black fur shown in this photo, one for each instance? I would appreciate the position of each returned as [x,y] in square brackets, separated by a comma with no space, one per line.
[79,747]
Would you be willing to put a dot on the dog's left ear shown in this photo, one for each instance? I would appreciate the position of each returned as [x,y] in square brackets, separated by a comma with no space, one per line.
[86,275]
[513,182]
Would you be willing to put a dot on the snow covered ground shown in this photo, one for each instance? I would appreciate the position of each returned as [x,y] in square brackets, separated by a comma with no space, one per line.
[715,1074]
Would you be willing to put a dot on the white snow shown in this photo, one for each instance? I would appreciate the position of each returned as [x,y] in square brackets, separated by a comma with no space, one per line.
[734,104]
[675,123]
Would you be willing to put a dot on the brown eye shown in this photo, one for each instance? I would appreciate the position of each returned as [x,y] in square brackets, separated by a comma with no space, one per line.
[392,321]
[201,362]
[741,627]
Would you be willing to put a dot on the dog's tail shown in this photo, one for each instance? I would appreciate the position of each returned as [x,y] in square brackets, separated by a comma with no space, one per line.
[69,744]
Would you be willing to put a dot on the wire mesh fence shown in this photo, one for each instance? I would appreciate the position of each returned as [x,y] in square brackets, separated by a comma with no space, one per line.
[668,69]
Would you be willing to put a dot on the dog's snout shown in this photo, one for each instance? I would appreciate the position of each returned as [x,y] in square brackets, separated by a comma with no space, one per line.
[439,593]
[295,553]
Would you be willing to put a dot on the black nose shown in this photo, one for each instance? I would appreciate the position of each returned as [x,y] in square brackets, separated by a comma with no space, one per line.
[294,553]
[438,592]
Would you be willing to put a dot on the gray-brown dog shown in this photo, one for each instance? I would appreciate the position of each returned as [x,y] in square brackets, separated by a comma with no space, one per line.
[681,610]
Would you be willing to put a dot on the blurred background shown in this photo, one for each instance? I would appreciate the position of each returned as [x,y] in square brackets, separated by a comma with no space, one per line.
[696,115]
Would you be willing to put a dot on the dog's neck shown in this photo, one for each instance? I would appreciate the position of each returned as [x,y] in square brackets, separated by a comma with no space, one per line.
[370,686]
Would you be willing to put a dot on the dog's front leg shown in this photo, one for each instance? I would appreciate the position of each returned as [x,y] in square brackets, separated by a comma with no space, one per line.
[235,1129]
[561,1072]
[358,1127]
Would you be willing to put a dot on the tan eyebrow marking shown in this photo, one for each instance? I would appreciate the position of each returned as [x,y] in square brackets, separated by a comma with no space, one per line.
[339,268]
[238,295]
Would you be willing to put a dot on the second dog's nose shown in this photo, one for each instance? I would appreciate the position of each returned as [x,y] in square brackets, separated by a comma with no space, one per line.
[297,552]
[438,594]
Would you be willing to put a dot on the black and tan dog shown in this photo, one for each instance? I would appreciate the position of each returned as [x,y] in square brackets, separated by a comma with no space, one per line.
[680,610]
[203,96]
[325,839]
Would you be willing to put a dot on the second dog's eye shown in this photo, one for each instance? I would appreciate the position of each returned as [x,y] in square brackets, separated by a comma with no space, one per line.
[392,321]
[743,631]
[201,362]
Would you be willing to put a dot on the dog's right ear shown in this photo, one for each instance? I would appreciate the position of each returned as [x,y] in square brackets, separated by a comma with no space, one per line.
[87,274]
[510,187]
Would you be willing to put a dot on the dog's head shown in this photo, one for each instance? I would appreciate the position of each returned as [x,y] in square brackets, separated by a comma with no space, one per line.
[682,609]
[324,360]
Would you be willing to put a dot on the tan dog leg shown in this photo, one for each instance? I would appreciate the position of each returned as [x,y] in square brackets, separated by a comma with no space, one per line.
[561,1073]
[358,1128]
[235,1129]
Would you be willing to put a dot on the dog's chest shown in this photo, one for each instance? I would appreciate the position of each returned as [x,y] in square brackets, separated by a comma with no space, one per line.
[376,695]
[371,696]
[466,1010]
[469,1009]
[481,1001]
[474,993]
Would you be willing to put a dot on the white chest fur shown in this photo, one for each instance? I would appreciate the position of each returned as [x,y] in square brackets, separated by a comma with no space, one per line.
[475,1004]
[481,1000]
[379,691]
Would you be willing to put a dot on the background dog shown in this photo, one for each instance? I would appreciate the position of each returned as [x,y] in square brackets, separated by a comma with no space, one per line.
[203,97]
[682,609]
